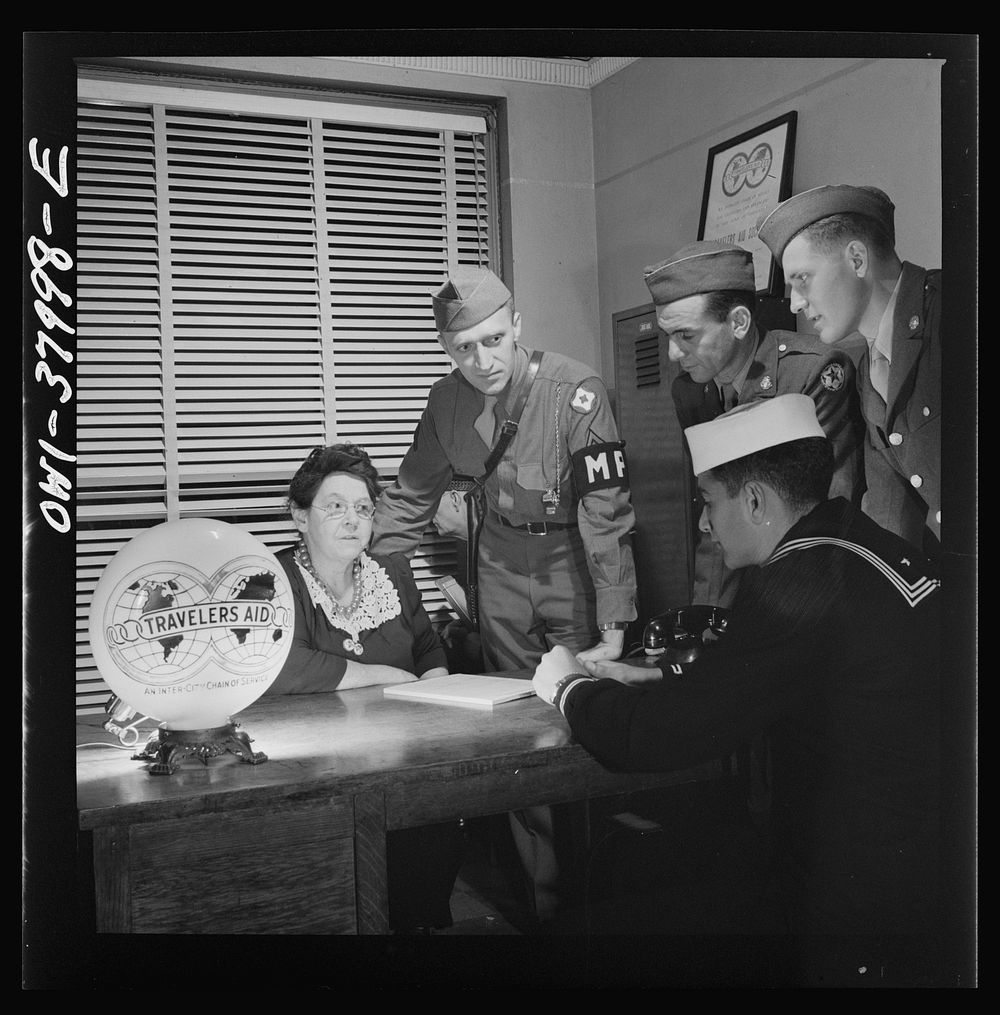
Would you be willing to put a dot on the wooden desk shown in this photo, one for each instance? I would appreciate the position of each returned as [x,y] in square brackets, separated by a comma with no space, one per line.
[297,844]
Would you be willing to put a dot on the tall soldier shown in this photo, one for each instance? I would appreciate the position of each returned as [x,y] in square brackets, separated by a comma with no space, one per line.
[705,297]
[555,558]
[836,245]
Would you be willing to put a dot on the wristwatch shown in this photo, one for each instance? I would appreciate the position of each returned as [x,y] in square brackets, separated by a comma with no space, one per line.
[561,687]
[614,625]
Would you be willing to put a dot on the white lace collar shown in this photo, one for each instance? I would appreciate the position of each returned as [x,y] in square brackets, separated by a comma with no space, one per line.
[379,599]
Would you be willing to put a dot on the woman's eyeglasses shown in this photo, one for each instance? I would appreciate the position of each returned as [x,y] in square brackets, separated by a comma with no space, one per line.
[337,509]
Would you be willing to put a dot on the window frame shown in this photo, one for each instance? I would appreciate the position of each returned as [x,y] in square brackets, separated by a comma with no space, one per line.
[100,531]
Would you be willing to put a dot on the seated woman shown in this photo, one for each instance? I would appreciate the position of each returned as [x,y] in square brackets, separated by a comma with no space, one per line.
[359,621]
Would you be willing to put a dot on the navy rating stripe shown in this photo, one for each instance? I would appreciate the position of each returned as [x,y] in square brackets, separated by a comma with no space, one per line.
[912,592]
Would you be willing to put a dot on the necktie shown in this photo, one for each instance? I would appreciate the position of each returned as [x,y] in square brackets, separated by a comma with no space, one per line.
[878,370]
[486,421]
[728,397]
[713,400]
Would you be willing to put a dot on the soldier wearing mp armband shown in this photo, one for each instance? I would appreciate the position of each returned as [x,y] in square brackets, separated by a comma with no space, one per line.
[554,558]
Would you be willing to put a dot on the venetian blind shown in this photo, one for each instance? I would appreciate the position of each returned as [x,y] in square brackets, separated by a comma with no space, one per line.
[252,285]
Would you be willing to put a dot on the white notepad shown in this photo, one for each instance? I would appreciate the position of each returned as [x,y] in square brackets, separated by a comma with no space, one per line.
[471,690]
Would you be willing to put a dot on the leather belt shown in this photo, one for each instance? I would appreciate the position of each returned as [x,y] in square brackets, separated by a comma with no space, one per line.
[534,528]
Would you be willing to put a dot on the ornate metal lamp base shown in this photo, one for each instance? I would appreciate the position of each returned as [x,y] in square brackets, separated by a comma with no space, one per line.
[168,748]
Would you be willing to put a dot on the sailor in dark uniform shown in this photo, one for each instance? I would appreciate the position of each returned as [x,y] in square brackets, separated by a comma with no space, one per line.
[833,647]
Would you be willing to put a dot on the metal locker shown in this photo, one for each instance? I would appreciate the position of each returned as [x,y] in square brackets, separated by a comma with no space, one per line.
[660,482]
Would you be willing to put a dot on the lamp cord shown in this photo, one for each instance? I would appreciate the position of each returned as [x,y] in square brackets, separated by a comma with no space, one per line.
[114,747]
[128,736]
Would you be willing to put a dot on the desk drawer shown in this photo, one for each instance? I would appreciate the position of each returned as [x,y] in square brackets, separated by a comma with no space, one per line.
[287,871]
[490,785]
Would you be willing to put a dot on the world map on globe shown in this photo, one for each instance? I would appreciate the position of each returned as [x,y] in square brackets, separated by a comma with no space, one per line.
[170,622]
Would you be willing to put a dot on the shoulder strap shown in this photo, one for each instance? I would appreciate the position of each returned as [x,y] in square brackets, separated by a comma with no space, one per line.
[509,429]
[475,500]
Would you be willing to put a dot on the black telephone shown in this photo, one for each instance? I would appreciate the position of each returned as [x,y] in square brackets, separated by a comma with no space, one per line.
[682,634]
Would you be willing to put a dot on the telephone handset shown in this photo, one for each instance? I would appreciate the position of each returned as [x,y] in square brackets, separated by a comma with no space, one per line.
[680,635]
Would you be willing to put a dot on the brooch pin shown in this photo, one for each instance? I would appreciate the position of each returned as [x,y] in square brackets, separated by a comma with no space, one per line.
[765,382]
[352,645]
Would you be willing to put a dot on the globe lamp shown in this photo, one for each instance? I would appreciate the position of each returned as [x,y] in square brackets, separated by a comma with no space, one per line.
[191,621]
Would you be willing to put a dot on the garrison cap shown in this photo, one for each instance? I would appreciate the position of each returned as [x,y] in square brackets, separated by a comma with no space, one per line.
[781,225]
[702,267]
[751,427]
[468,297]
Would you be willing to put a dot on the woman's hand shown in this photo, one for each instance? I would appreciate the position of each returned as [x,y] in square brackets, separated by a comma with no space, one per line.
[369,674]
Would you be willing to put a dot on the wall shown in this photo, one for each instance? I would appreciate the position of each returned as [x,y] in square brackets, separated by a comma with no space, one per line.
[547,185]
[859,121]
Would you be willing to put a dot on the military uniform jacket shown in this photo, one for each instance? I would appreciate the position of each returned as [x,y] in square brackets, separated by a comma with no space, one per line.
[567,410]
[833,648]
[783,363]
[903,445]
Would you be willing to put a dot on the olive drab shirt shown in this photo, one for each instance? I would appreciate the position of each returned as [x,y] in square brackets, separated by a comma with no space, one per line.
[567,410]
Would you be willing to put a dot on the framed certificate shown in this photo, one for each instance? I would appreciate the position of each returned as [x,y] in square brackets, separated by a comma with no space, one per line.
[747,177]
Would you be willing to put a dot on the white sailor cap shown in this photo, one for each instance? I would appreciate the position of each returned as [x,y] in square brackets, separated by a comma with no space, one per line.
[751,427]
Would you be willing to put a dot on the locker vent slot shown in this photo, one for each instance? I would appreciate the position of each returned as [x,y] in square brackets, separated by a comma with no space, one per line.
[647,361]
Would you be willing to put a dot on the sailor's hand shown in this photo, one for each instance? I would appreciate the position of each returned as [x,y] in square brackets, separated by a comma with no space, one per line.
[557,664]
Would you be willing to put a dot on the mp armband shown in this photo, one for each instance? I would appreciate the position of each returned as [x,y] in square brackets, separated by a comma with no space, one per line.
[600,467]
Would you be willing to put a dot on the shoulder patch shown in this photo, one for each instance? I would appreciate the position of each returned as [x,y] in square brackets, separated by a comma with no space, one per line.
[584,400]
[832,377]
